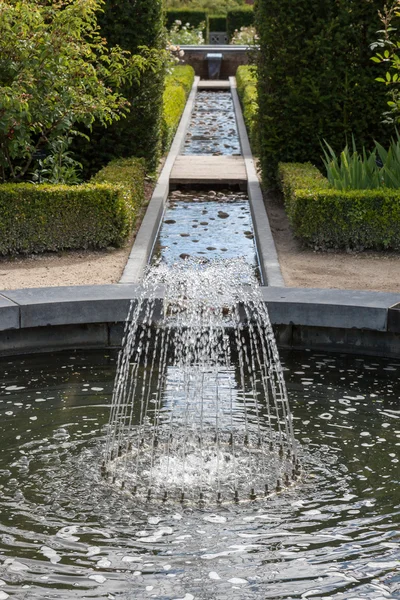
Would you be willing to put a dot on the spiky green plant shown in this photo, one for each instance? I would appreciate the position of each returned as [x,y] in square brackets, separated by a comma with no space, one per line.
[353,170]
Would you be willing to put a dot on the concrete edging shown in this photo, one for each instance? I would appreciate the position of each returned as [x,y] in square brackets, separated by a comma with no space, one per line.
[267,254]
[45,319]
[147,234]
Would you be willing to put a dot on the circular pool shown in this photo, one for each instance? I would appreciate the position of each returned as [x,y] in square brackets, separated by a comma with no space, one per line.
[66,533]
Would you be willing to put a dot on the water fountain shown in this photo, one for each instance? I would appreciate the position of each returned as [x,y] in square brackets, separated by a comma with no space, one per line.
[215,441]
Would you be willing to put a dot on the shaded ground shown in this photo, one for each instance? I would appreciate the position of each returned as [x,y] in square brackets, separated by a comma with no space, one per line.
[78,267]
[304,267]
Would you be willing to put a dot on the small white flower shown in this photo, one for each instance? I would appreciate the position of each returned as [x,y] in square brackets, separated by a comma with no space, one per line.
[181,53]
[178,22]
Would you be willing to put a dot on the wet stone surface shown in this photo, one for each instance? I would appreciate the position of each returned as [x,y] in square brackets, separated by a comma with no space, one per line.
[213,126]
[206,225]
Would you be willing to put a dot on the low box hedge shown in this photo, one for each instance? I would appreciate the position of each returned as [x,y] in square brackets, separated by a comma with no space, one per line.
[236,18]
[246,79]
[177,88]
[101,213]
[324,217]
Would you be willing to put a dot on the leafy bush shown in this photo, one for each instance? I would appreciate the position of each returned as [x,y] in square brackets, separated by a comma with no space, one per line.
[177,88]
[245,36]
[246,79]
[217,23]
[37,218]
[316,79]
[134,26]
[55,72]
[327,218]
[236,18]
[186,15]
[366,171]
[184,33]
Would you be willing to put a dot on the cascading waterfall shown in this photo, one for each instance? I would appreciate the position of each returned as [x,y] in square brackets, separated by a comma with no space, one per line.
[227,432]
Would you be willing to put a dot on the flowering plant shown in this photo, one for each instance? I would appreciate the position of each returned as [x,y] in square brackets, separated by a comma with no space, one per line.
[245,36]
[186,34]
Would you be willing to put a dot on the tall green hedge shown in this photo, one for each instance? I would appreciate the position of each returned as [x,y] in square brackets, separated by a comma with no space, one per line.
[218,23]
[177,88]
[246,79]
[188,15]
[239,17]
[131,24]
[324,217]
[38,218]
[316,79]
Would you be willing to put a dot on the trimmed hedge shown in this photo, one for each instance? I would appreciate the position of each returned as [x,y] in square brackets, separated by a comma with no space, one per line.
[316,79]
[239,17]
[324,217]
[38,218]
[217,23]
[246,79]
[177,88]
[130,25]
[188,15]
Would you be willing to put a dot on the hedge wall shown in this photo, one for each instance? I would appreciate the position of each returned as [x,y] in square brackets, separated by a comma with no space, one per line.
[316,79]
[324,217]
[246,79]
[38,218]
[130,25]
[217,23]
[188,15]
[239,17]
[177,88]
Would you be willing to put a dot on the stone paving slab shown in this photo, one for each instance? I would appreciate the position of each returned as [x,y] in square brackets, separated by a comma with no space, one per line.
[213,84]
[208,169]
[9,314]
[39,307]
[341,309]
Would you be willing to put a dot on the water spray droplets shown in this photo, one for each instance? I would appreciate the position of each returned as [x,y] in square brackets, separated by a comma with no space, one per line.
[209,429]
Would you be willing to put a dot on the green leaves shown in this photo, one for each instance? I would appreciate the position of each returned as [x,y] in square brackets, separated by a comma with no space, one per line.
[366,171]
[56,71]
[324,217]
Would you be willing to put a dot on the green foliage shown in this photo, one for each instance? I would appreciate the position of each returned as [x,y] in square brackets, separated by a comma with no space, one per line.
[194,17]
[388,56]
[239,17]
[245,36]
[55,72]
[37,218]
[177,88]
[364,171]
[185,34]
[316,79]
[212,7]
[246,79]
[133,26]
[327,218]
[217,23]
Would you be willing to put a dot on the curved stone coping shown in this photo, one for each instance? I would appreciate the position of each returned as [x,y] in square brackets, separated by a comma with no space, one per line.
[148,231]
[234,48]
[267,254]
[342,309]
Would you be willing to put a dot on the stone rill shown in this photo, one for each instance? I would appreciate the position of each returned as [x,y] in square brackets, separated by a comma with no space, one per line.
[215,440]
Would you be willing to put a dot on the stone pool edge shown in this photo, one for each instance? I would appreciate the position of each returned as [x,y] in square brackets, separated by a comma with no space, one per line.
[47,319]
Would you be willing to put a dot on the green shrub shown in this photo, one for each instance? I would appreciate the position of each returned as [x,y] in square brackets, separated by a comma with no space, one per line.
[217,23]
[38,218]
[324,217]
[239,17]
[246,79]
[131,25]
[188,15]
[177,88]
[316,78]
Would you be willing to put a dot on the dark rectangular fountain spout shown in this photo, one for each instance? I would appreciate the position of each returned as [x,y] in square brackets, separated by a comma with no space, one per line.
[214,60]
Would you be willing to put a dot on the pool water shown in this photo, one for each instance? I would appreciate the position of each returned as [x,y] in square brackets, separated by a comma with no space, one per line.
[66,533]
